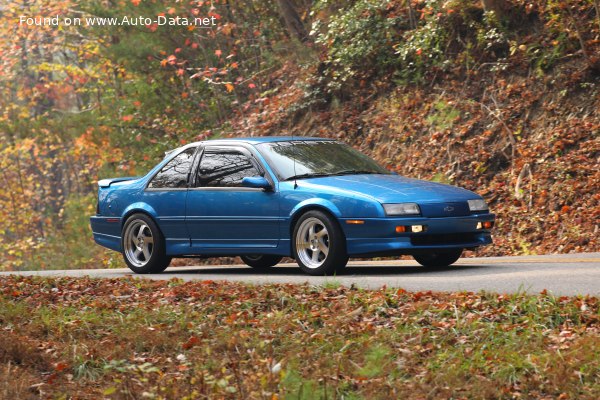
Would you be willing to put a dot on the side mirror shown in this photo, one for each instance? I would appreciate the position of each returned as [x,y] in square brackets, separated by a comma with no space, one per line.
[256,182]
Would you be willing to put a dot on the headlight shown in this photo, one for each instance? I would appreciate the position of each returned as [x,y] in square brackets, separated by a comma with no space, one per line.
[402,209]
[478,205]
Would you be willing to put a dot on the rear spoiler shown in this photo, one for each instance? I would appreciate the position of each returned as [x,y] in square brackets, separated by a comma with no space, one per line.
[104,183]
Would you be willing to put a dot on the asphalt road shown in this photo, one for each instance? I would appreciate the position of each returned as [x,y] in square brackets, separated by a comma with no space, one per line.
[564,274]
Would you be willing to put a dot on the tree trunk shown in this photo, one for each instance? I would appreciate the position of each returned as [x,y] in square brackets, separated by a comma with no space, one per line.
[292,20]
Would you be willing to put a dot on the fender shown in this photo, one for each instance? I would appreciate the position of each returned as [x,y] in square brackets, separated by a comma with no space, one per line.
[315,201]
[139,206]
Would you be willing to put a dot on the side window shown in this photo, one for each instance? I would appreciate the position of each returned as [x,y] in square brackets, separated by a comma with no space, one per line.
[175,173]
[224,169]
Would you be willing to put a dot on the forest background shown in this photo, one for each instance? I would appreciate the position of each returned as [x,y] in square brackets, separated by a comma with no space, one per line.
[500,97]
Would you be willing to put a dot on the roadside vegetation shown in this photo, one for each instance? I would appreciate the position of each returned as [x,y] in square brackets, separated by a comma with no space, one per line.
[133,339]
[498,96]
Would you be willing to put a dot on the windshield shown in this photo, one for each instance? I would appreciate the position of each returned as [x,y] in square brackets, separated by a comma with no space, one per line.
[316,158]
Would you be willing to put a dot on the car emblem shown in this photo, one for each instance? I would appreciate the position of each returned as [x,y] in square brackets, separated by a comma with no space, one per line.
[448,208]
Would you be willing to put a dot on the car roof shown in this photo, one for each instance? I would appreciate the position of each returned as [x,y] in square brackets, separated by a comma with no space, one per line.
[265,139]
[249,140]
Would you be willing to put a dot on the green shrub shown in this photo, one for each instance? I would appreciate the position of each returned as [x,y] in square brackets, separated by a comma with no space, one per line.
[448,34]
[359,41]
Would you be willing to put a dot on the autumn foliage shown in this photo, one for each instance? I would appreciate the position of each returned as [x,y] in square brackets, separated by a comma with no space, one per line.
[504,103]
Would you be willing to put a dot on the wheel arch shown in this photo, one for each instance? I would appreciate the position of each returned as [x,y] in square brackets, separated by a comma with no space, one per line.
[337,257]
[321,205]
[158,260]
[139,208]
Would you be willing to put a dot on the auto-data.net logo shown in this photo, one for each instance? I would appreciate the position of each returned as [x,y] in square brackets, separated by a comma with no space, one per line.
[159,20]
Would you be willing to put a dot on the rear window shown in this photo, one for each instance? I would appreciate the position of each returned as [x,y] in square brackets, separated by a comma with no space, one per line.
[174,174]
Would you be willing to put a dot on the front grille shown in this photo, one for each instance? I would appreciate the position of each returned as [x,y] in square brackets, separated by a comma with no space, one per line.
[443,210]
[447,238]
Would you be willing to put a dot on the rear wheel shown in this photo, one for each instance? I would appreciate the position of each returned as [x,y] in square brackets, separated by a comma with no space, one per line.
[261,261]
[438,258]
[143,245]
[319,244]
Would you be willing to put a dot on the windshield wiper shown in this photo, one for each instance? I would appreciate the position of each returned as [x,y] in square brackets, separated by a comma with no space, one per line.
[309,175]
[354,172]
[321,174]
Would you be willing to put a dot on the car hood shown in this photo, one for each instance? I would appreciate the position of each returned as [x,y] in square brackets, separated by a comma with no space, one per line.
[391,188]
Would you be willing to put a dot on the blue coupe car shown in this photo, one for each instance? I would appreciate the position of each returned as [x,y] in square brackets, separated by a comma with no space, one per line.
[316,200]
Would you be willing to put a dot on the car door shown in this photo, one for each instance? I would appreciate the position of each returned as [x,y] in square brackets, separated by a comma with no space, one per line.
[166,193]
[224,217]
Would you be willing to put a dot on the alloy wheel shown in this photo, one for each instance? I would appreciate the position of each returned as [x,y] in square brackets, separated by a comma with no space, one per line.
[312,243]
[139,243]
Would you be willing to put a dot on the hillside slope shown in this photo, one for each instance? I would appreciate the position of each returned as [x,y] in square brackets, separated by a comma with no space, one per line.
[526,139]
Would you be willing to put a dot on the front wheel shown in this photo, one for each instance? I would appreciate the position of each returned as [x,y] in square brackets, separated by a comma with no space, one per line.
[143,245]
[319,244]
[438,258]
[261,261]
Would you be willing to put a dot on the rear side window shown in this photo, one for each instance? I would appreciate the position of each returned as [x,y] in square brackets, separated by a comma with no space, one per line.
[174,174]
[224,169]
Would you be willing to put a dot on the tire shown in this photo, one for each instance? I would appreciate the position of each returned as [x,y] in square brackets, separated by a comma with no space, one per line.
[143,245]
[438,258]
[261,261]
[318,244]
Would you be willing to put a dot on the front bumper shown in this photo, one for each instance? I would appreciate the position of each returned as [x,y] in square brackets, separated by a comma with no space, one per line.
[377,236]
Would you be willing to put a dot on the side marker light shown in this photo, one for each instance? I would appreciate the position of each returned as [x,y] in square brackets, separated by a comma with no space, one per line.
[355,222]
